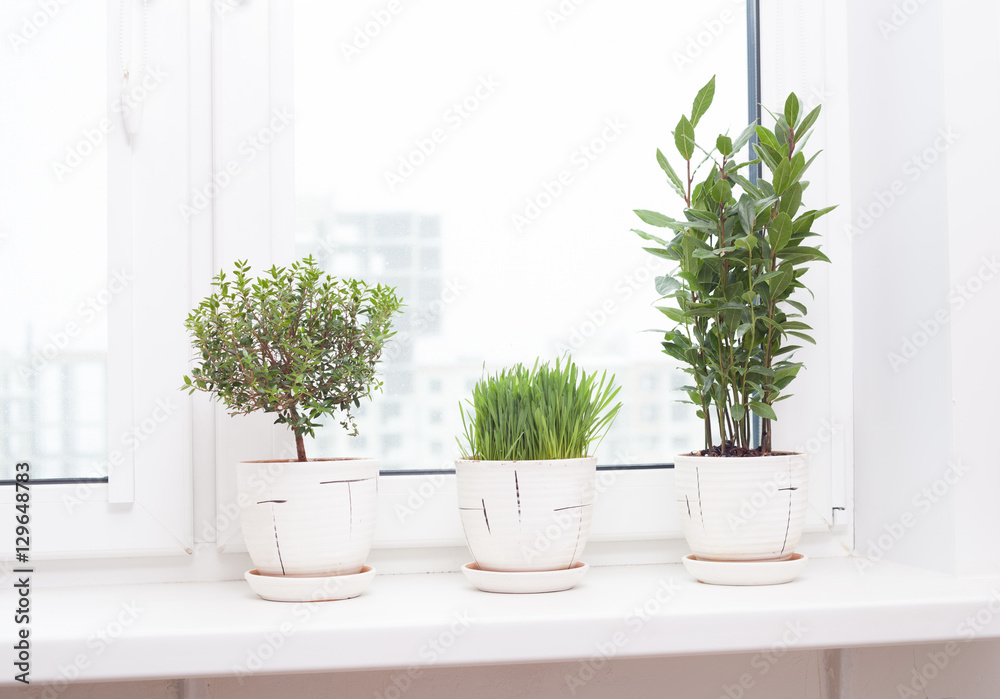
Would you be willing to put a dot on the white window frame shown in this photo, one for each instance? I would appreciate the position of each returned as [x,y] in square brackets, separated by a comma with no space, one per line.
[176,495]
[254,77]
[145,508]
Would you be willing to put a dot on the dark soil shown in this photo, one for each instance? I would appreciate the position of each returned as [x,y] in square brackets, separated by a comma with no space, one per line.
[733,450]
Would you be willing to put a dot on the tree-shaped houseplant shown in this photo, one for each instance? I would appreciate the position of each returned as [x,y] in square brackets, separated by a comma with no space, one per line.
[741,248]
[301,344]
[527,476]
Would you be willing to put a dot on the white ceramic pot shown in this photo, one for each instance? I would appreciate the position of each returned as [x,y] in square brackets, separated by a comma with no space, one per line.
[526,515]
[742,509]
[313,518]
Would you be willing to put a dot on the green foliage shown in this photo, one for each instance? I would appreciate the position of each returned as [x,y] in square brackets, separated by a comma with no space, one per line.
[545,413]
[741,250]
[294,341]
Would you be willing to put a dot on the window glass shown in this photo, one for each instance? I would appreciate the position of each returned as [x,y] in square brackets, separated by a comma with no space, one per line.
[485,159]
[53,238]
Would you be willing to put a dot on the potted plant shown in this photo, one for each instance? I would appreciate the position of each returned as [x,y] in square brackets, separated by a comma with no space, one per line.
[527,473]
[741,248]
[302,345]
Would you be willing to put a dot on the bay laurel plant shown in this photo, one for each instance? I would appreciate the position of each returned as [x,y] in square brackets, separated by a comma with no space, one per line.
[741,250]
[293,341]
[547,412]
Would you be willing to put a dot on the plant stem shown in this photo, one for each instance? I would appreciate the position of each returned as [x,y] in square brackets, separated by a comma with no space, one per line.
[687,199]
[708,425]
[300,447]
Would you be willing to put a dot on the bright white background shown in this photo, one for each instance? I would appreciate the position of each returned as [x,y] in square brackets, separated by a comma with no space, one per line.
[900,88]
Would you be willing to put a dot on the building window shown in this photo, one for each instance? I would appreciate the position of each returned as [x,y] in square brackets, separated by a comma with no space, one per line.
[54,246]
[488,200]
[649,413]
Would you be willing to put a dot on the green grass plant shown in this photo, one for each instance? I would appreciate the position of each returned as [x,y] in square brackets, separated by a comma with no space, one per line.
[547,412]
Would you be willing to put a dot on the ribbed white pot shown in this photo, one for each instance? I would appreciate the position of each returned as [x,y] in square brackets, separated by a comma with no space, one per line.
[313,518]
[526,515]
[740,509]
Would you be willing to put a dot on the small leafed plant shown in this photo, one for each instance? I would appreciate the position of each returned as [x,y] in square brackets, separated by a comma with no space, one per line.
[538,414]
[294,341]
[741,250]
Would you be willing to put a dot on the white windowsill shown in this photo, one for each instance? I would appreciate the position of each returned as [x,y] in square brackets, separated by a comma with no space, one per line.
[210,629]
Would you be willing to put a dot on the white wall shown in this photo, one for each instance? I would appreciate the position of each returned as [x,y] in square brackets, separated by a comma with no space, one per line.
[961,671]
[965,670]
[901,273]
[795,675]
[924,91]
[972,91]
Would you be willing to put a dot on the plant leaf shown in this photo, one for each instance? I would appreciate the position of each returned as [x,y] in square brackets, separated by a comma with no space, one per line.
[650,236]
[702,101]
[791,200]
[725,145]
[684,138]
[744,137]
[666,284]
[766,137]
[653,218]
[802,336]
[782,176]
[791,110]
[807,122]
[763,410]
[747,214]
[660,252]
[805,252]
[675,181]
[779,232]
